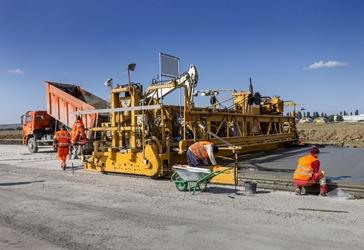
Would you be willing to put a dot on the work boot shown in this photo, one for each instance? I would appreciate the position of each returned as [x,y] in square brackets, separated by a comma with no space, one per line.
[298,191]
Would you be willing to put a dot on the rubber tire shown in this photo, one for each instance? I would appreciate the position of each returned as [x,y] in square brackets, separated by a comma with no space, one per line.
[32,145]
[180,184]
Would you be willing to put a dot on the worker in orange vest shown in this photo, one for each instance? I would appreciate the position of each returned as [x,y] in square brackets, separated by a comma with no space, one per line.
[62,142]
[78,137]
[199,154]
[308,173]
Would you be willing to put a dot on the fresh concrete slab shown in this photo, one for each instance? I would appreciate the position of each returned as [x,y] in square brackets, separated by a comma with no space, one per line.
[340,164]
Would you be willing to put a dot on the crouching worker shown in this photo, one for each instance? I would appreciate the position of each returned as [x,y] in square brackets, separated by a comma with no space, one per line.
[62,142]
[308,173]
[199,154]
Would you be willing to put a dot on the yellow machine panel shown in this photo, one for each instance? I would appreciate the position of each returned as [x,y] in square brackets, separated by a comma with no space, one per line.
[226,178]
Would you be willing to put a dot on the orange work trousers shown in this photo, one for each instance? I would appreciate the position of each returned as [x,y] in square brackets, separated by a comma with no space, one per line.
[62,153]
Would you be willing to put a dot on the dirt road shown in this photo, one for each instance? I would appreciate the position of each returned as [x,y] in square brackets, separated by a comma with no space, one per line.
[43,207]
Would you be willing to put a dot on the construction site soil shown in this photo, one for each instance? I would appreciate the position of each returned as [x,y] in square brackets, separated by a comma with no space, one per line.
[43,207]
[339,133]
[10,134]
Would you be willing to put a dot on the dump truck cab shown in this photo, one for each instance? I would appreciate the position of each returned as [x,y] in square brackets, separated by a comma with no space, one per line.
[37,129]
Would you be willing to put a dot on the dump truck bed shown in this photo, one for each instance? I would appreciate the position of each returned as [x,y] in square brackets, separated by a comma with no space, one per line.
[62,99]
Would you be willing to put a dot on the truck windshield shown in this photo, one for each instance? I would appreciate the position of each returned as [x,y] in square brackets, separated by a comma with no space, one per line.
[28,119]
[39,117]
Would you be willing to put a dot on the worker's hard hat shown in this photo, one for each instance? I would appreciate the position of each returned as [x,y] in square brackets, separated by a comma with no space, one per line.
[315,150]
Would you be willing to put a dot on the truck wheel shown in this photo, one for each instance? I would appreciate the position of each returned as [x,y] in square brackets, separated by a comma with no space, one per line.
[32,145]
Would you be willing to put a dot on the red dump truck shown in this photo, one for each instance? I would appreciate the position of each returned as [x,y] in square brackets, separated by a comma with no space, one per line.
[62,99]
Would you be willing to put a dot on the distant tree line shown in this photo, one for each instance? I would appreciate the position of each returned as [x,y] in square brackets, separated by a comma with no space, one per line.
[330,118]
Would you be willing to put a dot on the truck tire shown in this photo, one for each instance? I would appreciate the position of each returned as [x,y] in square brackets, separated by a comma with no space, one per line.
[32,145]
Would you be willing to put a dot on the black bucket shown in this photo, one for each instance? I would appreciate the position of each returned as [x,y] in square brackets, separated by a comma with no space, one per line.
[250,187]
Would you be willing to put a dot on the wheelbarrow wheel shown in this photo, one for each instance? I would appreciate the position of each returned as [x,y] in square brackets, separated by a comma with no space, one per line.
[181,185]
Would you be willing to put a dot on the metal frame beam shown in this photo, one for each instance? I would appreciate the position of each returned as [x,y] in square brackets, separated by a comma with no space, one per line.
[98,111]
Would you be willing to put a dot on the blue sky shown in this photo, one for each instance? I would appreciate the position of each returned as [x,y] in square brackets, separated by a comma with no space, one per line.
[274,42]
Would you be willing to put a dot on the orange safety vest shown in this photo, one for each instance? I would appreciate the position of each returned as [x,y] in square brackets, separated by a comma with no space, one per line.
[63,138]
[78,132]
[304,170]
[199,150]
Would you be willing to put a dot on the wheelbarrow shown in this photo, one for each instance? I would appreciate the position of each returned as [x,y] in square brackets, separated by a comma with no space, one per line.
[192,179]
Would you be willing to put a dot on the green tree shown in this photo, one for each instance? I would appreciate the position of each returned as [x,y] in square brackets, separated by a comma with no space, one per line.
[339,118]
[330,118]
[299,115]
[356,112]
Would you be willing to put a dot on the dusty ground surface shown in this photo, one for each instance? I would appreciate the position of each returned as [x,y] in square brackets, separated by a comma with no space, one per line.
[340,134]
[10,136]
[43,207]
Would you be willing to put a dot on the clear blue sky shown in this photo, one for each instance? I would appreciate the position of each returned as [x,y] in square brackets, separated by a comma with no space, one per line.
[274,42]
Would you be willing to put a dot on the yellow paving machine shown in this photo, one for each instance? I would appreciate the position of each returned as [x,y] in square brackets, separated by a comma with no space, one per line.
[145,136]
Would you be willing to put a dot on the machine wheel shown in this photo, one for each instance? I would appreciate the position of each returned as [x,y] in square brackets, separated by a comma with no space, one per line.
[32,145]
[181,185]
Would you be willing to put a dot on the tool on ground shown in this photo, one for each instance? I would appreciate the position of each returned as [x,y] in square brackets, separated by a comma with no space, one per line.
[323,210]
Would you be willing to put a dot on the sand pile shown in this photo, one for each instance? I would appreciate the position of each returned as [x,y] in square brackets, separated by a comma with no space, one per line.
[340,134]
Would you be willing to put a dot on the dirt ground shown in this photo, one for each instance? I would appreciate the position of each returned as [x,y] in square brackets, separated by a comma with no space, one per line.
[43,207]
[340,134]
[10,134]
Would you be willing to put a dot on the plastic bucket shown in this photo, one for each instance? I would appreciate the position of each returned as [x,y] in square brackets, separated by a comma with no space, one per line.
[250,187]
